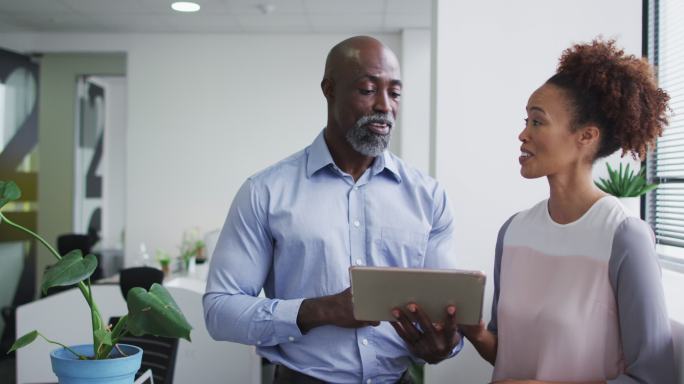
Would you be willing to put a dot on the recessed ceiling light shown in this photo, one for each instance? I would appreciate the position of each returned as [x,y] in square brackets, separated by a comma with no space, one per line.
[266,8]
[185,6]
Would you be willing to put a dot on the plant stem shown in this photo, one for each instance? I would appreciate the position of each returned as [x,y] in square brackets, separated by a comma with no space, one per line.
[120,351]
[120,328]
[93,317]
[80,357]
[94,311]
[118,331]
[30,232]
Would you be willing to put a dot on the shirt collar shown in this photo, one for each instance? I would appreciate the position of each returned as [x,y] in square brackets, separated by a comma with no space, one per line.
[385,161]
[319,157]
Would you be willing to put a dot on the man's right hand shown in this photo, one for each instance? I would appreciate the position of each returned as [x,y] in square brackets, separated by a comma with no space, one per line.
[329,310]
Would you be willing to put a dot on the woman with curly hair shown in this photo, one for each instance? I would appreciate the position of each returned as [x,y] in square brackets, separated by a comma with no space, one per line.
[577,294]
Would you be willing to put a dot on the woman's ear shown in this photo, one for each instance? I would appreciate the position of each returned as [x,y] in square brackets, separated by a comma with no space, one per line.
[589,136]
[589,141]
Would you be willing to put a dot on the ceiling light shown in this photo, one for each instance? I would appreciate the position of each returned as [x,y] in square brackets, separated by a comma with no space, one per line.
[185,6]
[266,8]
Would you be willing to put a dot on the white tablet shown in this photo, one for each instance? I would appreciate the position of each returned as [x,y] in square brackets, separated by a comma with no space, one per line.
[376,290]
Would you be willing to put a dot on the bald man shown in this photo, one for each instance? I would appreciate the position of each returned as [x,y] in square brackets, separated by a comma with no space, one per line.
[295,228]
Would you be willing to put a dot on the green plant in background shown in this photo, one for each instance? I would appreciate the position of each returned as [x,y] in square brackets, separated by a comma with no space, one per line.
[625,182]
[163,258]
[191,246]
[149,312]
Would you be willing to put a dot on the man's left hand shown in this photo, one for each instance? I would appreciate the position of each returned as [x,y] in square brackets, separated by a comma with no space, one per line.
[432,342]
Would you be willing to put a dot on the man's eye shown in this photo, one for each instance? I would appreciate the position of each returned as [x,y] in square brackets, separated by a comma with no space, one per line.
[366,91]
[395,95]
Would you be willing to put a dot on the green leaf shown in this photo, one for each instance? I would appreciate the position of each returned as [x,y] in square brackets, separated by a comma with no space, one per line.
[70,270]
[9,191]
[103,342]
[103,336]
[24,341]
[156,313]
[614,180]
[634,186]
[648,188]
[601,184]
[625,182]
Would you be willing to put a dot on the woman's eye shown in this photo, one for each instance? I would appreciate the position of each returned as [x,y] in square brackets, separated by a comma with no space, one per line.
[535,123]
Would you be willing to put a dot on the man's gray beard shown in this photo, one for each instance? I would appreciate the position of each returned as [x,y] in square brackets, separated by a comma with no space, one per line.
[367,142]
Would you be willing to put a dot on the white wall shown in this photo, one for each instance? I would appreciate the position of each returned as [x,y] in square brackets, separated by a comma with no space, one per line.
[414,134]
[204,113]
[490,56]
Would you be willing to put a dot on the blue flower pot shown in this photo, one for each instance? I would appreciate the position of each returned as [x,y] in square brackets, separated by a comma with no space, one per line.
[119,370]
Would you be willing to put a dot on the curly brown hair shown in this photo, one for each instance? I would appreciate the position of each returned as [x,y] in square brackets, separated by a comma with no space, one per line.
[615,91]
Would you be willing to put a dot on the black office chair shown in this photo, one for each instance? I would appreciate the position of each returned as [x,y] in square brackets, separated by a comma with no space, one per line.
[139,277]
[159,353]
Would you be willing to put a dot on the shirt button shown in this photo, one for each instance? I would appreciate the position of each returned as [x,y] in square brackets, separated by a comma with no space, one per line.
[364,341]
[291,338]
[258,342]
[357,223]
[356,187]
[369,381]
[359,262]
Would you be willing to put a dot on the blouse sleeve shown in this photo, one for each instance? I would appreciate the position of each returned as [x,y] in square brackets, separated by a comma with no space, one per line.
[644,324]
[492,326]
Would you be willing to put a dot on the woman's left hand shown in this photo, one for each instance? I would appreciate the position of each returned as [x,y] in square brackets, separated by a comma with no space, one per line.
[432,342]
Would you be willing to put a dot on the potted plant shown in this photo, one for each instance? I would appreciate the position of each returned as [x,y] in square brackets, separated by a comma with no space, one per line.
[191,249]
[105,360]
[626,185]
[199,252]
[164,261]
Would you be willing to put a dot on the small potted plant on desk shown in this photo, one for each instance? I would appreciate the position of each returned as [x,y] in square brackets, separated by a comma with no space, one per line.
[164,261]
[191,250]
[105,360]
[627,186]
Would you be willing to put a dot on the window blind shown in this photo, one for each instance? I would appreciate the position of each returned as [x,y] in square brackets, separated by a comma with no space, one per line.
[665,205]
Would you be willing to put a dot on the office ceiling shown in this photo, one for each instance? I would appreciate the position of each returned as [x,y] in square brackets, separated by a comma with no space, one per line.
[215,16]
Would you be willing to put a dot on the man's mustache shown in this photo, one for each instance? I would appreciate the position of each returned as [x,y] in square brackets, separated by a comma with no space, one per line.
[377,118]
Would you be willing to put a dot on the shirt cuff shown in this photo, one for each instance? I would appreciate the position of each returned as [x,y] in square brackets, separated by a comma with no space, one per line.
[458,346]
[285,320]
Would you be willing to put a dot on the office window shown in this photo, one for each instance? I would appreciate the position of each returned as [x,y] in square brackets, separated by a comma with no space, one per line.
[664,32]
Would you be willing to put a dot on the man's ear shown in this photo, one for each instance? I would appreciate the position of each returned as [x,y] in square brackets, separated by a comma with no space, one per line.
[328,87]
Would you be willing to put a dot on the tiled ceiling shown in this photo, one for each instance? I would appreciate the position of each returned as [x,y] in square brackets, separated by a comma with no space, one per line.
[215,16]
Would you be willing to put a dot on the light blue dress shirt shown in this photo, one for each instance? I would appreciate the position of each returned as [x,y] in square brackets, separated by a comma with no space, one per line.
[294,230]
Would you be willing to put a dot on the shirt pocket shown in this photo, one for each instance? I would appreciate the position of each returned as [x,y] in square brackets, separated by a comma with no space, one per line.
[398,247]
